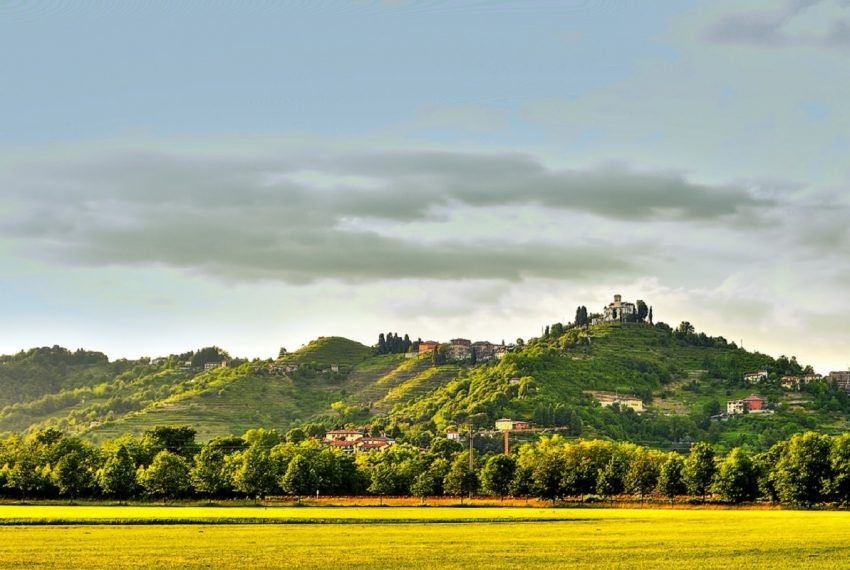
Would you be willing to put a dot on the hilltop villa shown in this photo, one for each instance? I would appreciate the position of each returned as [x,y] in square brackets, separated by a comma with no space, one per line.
[617,312]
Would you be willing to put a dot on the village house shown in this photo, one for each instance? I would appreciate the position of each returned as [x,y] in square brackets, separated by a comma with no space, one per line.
[343,435]
[213,365]
[756,377]
[632,402]
[809,378]
[841,380]
[453,435]
[483,350]
[372,443]
[791,382]
[428,346]
[750,404]
[507,424]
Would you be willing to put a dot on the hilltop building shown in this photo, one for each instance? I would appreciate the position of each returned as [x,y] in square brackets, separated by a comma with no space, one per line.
[841,380]
[617,312]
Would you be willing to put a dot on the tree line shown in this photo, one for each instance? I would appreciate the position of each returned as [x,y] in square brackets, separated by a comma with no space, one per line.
[166,463]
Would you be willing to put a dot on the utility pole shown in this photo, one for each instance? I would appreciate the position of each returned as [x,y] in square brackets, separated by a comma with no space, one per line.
[470,447]
[507,450]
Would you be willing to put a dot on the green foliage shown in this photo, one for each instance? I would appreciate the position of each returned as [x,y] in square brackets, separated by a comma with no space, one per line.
[256,472]
[300,478]
[670,479]
[166,477]
[117,477]
[497,475]
[698,470]
[736,479]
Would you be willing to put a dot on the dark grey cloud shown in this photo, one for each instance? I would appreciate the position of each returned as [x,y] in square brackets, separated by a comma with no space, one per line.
[288,216]
[767,28]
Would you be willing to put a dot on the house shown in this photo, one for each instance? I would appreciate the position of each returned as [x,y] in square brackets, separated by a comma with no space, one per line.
[514,381]
[483,350]
[500,351]
[372,443]
[754,403]
[351,435]
[428,346]
[452,435]
[618,311]
[345,445]
[632,402]
[808,378]
[507,424]
[841,380]
[460,342]
[459,352]
[791,382]
[756,377]
[734,407]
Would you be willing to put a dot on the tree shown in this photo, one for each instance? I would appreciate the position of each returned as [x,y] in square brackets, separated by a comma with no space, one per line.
[522,484]
[256,473]
[382,344]
[382,480]
[803,470]
[650,315]
[296,435]
[685,328]
[300,478]
[736,480]
[547,473]
[670,479]
[209,474]
[75,474]
[642,310]
[424,486]
[167,476]
[641,477]
[699,469]
[460,480]
[839,460]
[282,352]
[209,355]
[497,474]
[609,481]
[176,439]
[117,477]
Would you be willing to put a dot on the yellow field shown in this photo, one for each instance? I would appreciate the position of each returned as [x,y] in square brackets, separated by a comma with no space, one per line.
[557,538]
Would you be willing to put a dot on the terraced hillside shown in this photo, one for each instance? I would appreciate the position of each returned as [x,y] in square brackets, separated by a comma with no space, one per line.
[683,380]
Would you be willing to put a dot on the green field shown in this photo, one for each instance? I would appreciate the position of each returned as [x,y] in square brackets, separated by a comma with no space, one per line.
[407,537]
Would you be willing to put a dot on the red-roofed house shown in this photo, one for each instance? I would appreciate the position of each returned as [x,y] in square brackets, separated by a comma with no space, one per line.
[754,403]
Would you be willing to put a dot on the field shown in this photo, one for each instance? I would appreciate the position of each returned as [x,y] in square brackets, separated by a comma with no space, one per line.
[415,537]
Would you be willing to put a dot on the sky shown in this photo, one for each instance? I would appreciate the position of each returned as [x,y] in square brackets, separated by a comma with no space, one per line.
[255,174]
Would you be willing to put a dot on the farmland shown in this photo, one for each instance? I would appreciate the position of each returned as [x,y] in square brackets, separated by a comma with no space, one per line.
[394,537]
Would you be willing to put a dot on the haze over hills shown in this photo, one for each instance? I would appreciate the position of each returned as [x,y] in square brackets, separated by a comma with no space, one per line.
[676,382]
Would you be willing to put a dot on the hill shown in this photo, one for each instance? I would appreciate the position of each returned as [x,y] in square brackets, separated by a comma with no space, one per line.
[681,379]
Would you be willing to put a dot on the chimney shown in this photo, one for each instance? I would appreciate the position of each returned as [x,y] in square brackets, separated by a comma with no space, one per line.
[618,298]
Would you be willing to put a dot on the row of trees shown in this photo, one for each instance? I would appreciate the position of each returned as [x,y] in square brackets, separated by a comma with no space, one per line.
[393,344]
[804,470]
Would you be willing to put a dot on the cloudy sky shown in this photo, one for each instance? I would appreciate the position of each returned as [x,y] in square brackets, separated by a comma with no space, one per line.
[255,174]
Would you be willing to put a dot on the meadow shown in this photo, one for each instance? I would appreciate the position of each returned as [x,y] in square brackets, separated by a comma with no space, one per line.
[416,537]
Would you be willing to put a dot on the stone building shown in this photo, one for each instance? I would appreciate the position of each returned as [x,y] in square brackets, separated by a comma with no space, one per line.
[617,312]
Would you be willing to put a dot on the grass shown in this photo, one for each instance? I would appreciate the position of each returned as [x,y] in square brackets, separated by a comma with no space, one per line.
[377,538]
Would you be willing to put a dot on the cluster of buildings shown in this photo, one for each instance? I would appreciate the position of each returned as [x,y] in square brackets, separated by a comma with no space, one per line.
[461,349]
[356,441]
[796,382]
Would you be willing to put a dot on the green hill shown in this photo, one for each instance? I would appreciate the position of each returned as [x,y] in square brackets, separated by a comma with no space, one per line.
[326,351]
[683,380]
